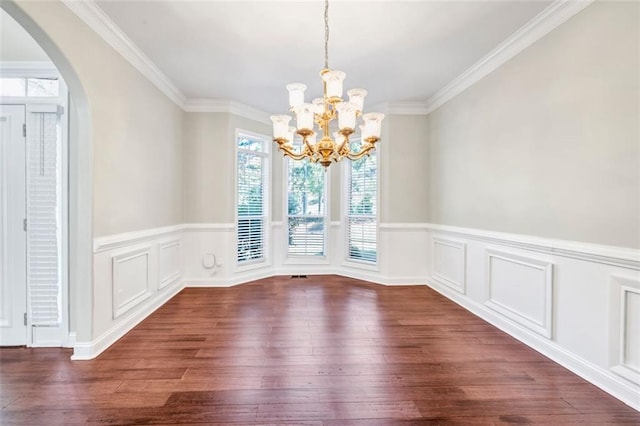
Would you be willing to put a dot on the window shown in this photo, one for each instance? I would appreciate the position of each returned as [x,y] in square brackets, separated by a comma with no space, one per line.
[362,184]
[251,195]
[306,208]
[29,87]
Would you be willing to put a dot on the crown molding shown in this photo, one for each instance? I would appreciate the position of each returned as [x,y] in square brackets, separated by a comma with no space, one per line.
[92,15]
[228,106]
[546,21]
[407,108]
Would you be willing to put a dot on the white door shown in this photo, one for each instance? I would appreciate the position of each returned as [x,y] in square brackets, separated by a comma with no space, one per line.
[13,281]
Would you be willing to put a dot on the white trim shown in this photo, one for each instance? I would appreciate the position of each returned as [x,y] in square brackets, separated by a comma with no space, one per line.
[90,350]
[208,227]
[166,281]
[460,287]
[134,300]
[267,257]
[238,279]
[609,255]
[546,21]
[610,383]
[226,105]
[621,286]
[29,68]
[110,242]
[543,326]
[408,108]
[404,226]
[71,340]
[98,21]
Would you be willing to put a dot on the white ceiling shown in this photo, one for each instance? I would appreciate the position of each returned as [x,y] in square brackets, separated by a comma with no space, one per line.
[249,50]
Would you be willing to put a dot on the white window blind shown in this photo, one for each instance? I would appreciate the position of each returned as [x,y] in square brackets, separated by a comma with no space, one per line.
[362,208]
[306,208]
[43,218]
[251,192]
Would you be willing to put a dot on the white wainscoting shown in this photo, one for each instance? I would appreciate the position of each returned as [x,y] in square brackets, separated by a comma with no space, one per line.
[521,289]
[625,308]
[169,262]
[133,274]
[578,304]
[449,260]
[130,281]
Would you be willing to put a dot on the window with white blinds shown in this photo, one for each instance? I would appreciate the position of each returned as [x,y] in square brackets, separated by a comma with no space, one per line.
[362,184]
[306,208]
[44,218]
[251,196]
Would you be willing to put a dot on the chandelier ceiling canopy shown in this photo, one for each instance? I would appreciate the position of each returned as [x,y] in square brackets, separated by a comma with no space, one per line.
[323,111]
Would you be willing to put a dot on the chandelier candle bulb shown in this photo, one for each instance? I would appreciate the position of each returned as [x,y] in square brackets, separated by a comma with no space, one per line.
[296,94]
[346,116]
[356,97]
[280,126]
[333,80]
[372,124]
[319,105]
[291,134]
[304,116]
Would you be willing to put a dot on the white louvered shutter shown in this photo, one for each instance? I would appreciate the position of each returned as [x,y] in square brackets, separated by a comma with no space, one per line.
[43,218]
[362,210]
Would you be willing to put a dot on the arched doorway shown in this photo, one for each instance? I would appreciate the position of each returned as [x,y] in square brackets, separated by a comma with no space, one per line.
[80,164]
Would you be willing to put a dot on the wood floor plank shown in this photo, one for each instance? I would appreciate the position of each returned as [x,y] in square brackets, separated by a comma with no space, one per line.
[325,350]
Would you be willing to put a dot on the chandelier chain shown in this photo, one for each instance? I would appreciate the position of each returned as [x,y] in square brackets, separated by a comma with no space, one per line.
[326,34]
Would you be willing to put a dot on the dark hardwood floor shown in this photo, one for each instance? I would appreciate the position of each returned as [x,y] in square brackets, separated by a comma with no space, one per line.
[323,350]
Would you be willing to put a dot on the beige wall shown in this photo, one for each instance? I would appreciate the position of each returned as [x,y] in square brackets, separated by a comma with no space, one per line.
[549,143]
[16,44]
[403,169]
[209,165]
[137,130]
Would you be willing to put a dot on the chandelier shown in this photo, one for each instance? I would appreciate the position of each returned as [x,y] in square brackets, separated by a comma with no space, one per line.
[323,111]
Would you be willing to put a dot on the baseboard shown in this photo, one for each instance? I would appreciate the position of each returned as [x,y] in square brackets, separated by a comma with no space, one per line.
[364,275]
[71,340]
[240,278]
[90,350]
[605,380]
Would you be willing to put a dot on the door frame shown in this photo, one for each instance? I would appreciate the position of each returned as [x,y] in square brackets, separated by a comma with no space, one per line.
[80,181]
[48,337]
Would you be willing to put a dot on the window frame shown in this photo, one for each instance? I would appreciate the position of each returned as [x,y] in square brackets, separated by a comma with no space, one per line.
[346,186]
[304,259]
[37,70]
[265,261]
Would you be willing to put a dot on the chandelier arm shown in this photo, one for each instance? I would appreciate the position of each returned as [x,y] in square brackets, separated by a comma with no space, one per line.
[289,153]
[309,149]
[358,155]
